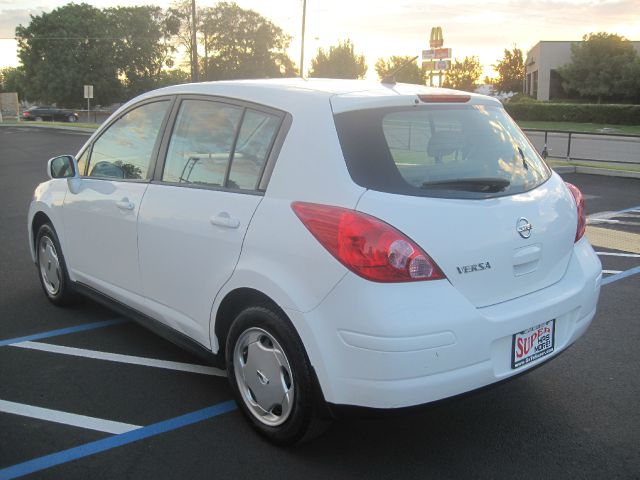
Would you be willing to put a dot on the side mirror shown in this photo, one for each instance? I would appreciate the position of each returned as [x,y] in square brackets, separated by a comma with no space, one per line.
[65,166]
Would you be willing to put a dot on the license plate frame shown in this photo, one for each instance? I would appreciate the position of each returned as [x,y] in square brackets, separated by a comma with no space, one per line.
[532,344]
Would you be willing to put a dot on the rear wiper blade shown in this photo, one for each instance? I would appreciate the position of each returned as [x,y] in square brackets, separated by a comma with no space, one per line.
[489,185]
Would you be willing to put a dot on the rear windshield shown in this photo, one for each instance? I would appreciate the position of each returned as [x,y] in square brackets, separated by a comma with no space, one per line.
[452,151]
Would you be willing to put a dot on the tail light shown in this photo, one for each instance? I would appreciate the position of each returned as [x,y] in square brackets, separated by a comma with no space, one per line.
[582,217]
[366,245]
[26,114]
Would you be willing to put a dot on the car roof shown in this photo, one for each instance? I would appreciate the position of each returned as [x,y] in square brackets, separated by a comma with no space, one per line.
[344,95]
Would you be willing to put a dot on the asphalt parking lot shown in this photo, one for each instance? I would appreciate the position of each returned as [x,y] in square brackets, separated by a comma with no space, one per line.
[86,393]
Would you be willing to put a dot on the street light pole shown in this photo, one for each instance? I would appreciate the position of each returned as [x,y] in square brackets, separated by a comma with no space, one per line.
[194,44]
[304,18]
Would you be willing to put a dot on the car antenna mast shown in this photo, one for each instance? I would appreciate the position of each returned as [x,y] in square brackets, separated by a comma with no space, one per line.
[391,78]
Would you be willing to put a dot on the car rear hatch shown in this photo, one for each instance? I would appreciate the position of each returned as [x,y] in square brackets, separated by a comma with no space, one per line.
[462,181]
[477,244]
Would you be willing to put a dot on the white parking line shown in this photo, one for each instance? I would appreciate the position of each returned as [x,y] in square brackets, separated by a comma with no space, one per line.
[614,254]
[116,357]
[82,421]
[613,222]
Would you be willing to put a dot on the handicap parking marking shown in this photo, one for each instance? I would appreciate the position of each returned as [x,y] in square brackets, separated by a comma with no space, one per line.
[116,357]
[66,418]
[629,216]
[98,446]
[626,243]
[620,240]
[63,331]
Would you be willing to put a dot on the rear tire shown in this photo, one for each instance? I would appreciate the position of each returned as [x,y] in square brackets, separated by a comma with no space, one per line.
[72,119]
[52,269]
[271,377]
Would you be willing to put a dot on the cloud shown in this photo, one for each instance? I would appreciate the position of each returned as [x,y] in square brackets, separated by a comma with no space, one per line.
[11,18]
[381,28]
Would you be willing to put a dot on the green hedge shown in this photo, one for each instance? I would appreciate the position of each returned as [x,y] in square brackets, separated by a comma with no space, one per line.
[586,113]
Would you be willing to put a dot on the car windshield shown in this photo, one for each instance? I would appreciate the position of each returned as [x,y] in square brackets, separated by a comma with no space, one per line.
[456,151]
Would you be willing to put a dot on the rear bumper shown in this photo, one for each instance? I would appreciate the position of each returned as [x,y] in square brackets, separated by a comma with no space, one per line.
[341,411]
[388,346]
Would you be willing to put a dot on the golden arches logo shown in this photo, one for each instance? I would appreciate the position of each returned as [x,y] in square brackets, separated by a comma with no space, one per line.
[436,39]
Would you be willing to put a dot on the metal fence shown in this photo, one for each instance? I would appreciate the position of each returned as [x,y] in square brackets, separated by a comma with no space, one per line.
[93,116]
[614,148]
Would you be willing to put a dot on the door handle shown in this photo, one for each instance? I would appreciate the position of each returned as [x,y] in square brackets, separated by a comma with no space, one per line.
[125,204]
[223,219]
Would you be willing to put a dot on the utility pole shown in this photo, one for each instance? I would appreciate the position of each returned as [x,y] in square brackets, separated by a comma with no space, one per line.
[304,18]
[194,44]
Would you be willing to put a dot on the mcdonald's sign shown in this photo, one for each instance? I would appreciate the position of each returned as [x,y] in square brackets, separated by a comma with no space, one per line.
[436,39]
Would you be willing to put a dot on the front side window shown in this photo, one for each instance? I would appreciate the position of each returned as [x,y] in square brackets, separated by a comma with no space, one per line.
[124,150]
[82,160]
[470,151]
[201,143]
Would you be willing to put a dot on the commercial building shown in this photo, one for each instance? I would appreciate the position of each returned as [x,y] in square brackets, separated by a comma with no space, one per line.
[542,80]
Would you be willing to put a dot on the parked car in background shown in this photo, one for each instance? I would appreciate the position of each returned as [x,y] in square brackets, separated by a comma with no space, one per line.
[332,244]
[51,114]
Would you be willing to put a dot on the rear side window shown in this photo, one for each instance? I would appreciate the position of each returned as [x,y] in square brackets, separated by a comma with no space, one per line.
[254,144]
[219,145]
[124,150]
[454,151]
[201,143]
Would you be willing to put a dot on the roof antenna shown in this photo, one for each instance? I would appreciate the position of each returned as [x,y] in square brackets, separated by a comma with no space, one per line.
[391,78]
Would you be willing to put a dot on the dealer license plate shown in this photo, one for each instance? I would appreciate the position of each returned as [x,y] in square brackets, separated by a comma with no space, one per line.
[532,344]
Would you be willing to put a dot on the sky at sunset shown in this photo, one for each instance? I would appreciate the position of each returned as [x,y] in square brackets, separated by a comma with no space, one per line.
[381,28]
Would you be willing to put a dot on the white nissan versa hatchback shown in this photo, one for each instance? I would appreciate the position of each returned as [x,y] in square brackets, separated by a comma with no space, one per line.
[330,243]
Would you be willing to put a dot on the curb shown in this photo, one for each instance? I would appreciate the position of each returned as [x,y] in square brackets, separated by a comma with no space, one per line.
[606,172]
[50,127]
[567,169]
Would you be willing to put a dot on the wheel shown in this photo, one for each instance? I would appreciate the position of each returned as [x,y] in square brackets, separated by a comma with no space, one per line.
[72,118]
[38,119]
[271,377]
[51,267]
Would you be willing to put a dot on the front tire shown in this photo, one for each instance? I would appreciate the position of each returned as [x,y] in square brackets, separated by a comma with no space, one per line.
[271,377]
[52,269]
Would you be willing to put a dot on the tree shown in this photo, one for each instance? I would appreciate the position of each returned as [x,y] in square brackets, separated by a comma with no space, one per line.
[631,80]
[599,66]
[12,80]
[510,71]
[65,49]
[120,51]
[179,18]
[141,47]
[463,75]
[241,43]
[411,73]
[338,62]
[172,77]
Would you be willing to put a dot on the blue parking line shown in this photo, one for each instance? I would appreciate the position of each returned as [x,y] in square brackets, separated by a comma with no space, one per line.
[620,276]
[108,443]
[630,209]
[62,331]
